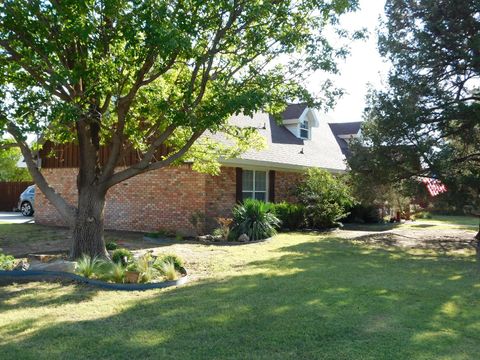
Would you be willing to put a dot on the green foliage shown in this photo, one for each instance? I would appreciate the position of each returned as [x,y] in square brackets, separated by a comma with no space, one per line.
[325,197]
[7,262]
[122,256]
[144,265]
[149,75]
[168,270]
[291,216]
[117,273]
[177,67]
[254,218]
[426,121]
[100,269]
[168,258]
[132,266]
[9,171]
[90,267]
[162,233]
[112,245]
[178,237]
[423,215]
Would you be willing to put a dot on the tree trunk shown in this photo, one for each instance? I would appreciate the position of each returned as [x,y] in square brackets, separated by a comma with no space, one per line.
[89,221]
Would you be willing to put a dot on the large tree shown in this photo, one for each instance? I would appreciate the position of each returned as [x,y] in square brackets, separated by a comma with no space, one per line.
[146,74]
[427,120]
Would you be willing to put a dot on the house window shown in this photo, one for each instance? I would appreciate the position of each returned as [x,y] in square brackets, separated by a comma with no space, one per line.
[254,184]
[304,130]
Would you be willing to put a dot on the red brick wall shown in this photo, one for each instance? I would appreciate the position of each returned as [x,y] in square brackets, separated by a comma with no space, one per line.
[64,183]
[221,195]
[162,199]
[285,185]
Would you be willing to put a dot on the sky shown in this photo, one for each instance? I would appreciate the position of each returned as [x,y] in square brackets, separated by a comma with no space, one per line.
[363,66]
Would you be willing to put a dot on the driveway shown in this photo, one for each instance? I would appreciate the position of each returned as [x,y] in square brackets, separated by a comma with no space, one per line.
[15,218]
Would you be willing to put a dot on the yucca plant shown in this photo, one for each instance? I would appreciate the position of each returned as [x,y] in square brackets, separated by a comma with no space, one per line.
[256,219]
[88,266]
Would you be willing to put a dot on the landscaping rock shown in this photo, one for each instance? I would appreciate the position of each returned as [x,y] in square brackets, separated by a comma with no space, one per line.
[209,238]
[58,265]
[243,238]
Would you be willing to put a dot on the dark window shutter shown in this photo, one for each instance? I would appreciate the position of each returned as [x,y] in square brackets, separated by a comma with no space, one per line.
[271,186]
[238,193]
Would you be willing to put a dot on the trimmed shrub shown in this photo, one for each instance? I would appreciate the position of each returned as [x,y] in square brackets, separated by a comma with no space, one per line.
[111,245]
[326,198]
[122,256]
[292,216]
[254,218]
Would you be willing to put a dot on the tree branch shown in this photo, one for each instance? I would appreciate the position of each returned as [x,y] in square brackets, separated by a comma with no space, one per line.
[144,167]
[65,209]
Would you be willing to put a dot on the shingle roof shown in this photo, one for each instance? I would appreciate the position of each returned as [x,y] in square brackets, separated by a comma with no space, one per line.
[293,111]
[286,150]
[347,128]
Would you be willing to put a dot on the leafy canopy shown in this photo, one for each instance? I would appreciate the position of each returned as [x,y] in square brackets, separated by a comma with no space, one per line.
[9,171]
[143,73]
[427,120]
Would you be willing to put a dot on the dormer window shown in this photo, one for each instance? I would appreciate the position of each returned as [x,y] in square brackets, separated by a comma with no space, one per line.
[304,129]
[300,120]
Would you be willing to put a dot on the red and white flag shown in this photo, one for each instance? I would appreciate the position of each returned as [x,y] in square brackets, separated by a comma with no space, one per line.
[434,186]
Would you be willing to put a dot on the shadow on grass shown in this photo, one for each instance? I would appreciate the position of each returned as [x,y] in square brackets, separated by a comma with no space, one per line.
[26,295]
[422,226]
[318,299]
[371,227]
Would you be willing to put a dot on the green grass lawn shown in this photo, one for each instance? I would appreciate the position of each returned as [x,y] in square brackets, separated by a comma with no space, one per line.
[298,296]
[468,221]
[437,222]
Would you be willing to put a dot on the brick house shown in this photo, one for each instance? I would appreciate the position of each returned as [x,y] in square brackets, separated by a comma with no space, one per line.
[166,198]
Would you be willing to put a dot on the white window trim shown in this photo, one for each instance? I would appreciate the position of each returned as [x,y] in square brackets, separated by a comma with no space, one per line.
[300,128]
[267,177]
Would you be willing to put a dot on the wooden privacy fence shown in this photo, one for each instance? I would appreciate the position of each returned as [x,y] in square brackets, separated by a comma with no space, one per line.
[10,192]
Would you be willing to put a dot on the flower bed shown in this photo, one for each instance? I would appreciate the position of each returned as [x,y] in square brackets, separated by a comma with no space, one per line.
[125,272]
[15,276]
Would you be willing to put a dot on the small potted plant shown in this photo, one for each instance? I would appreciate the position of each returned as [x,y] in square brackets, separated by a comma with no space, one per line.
[132,274]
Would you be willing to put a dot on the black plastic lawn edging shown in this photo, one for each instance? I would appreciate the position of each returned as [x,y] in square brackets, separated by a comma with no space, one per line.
[12,276]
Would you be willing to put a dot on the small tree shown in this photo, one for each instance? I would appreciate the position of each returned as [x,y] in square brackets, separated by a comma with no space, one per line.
[326,198]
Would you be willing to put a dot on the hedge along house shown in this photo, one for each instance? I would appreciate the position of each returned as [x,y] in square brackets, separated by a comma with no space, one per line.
[165,199]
